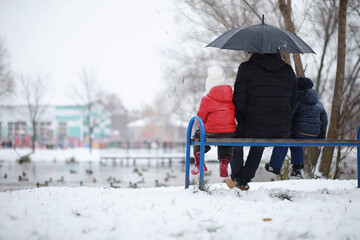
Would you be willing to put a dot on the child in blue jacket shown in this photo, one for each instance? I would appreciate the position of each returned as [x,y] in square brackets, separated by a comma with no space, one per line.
[309,121]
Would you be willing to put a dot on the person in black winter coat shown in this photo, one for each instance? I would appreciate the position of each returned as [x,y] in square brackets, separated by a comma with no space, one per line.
[309,121]
[264,96]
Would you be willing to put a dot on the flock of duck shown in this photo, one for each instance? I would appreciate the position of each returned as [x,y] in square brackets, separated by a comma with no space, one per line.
[113,182]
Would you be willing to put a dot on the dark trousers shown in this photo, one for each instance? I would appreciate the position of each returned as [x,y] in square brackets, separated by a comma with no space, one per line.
[223,151]
[297,153]
[243,173]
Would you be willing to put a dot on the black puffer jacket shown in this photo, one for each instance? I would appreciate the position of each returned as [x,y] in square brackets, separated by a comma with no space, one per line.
[309,115]
[264,96]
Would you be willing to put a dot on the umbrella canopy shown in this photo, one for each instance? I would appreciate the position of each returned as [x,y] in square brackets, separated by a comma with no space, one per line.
[261,38]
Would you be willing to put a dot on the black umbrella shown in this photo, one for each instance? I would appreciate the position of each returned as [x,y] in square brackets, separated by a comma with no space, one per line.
[261,38]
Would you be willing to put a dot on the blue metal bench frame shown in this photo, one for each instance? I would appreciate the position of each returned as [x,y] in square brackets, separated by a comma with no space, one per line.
[255,142]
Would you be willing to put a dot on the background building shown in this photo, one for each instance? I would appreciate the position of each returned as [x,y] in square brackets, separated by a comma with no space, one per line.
[63,126]
[158,131]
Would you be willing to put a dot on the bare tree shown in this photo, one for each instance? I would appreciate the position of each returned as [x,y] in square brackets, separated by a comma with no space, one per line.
[187,65]
[327,155]
[7,85]
[325,26]
[286,11]
[33,91]
[119,114]
[160,122]
[350,109]
[208,19]
[89,96]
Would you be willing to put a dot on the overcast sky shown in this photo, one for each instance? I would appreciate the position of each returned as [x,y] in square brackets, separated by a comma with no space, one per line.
[121,39]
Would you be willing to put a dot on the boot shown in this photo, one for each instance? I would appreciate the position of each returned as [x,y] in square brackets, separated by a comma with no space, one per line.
[243,187]
[269,168]
[231,183]
[296,171]
[223,167]
[196,168]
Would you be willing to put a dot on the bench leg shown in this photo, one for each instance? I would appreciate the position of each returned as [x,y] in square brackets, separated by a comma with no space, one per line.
[187,166]
[358,153]
[358,157]
[202,153]
[187,160]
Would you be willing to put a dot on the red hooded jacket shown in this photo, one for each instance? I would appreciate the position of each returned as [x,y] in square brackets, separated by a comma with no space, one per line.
[217,110]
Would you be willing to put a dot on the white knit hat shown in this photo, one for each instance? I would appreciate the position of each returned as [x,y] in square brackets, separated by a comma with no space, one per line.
[215,78]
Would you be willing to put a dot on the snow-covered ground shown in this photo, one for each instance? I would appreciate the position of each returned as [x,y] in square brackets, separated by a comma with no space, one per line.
[297,209]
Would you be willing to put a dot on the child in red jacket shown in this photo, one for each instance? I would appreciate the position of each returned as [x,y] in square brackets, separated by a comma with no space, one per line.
[217,112]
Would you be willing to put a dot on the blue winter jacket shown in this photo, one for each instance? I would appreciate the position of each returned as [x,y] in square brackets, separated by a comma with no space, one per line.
[309,115]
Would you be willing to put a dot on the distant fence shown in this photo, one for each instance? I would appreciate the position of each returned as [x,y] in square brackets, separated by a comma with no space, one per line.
[255,142]
[121,155]
[165,146]
[121,159]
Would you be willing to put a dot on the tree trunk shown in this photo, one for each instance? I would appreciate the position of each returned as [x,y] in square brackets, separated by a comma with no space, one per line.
[286,57]
[318,79]
[33,138]
[311,158]
[285,9]
[90,138]
[338,169]
[312,154]
[90,143]
[328,152]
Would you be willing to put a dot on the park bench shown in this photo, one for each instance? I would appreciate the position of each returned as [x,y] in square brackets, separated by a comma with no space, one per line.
[255,142]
